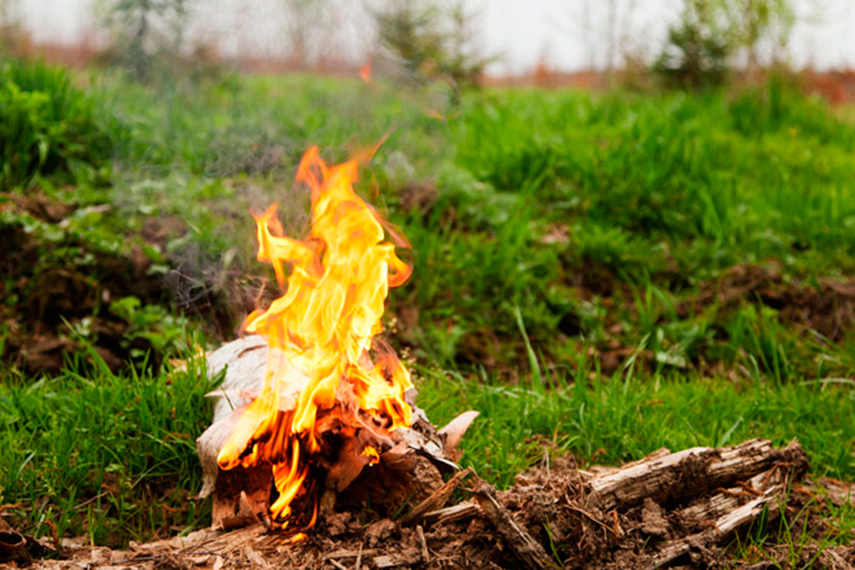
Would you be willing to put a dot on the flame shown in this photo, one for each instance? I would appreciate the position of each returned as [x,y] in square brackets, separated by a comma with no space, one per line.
[322,326]
[371,453]
[365,72]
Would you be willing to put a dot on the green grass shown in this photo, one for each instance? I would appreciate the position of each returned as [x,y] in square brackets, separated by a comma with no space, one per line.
[111,457]
[610,420]
[550,231]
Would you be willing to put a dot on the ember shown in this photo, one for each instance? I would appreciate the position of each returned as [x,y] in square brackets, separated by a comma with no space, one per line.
[330,388]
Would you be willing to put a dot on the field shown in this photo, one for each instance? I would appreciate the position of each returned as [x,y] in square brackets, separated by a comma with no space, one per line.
[599,274]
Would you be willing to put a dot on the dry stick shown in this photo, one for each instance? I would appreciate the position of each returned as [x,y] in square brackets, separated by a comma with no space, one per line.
[358,556]
[527,549]
[460,511]
[438,498]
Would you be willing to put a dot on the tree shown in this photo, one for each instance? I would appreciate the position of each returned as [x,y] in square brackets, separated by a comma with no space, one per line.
[695,55]
[432,43]
[144,27]
[10,26]
[755,23]
[711,34]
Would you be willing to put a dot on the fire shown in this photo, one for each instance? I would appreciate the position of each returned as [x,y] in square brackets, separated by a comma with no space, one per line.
[365,72]
[323,326]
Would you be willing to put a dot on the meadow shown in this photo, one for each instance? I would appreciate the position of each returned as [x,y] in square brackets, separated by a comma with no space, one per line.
[600,274]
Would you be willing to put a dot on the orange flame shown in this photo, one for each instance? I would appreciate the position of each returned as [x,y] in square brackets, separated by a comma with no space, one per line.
[322,326]
[365,72]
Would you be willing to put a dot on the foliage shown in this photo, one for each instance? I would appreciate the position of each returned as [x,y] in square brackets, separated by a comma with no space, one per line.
[756,24]
[48,124]
[114,456]
[143,29]
[695,55]
[432,42]
[702,46]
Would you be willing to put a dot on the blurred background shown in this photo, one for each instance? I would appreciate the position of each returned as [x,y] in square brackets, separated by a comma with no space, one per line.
[632,225]
[564,36]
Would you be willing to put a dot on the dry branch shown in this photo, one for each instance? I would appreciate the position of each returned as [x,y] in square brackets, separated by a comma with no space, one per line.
[687,473]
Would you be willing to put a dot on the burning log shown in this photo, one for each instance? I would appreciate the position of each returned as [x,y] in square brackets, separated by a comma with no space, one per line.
[411,469]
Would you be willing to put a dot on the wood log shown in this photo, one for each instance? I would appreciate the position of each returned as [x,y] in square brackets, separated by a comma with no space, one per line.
[722,527]
[691,472]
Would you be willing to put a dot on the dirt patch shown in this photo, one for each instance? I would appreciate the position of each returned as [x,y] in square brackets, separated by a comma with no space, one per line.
[553,516]
[58,290]
[826,306]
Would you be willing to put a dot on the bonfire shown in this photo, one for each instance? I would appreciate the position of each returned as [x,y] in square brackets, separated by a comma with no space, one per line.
[332,399]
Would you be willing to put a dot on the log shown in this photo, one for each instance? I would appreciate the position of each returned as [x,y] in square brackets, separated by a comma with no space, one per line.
[691,472]
[721,528]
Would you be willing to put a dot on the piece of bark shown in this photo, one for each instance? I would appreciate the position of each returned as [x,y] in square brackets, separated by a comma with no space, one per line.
[438,498]
[460,511]
[13,547]
[530,552]
[454,431]
[687,473]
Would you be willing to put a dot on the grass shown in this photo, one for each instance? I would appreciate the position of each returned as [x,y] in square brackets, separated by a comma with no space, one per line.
[610,420]
[565,247]
[108,456]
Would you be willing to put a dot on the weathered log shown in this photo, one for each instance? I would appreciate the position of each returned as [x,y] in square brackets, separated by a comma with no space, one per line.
[724,512]
[691,472]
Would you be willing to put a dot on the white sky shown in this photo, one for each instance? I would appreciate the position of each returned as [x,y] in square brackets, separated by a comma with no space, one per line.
[568,34]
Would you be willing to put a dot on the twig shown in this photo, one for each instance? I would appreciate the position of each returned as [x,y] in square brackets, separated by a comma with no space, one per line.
[425,553]
[359,557]
[90,501]
[438,498]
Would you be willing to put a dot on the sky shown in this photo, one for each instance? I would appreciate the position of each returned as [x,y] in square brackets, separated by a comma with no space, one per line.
[564,34]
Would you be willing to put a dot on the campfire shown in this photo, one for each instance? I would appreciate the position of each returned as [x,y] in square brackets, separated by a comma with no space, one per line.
[332,399]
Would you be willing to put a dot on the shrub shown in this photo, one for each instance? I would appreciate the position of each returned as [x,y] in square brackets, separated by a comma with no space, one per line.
[432,43]
[695,55]
[48,124]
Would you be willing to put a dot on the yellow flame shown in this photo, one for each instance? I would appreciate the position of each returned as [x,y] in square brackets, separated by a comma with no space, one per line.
[323,324]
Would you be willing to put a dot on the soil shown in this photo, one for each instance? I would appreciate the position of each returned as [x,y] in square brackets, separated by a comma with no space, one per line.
[554,505]
[45,302]
[826,306]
